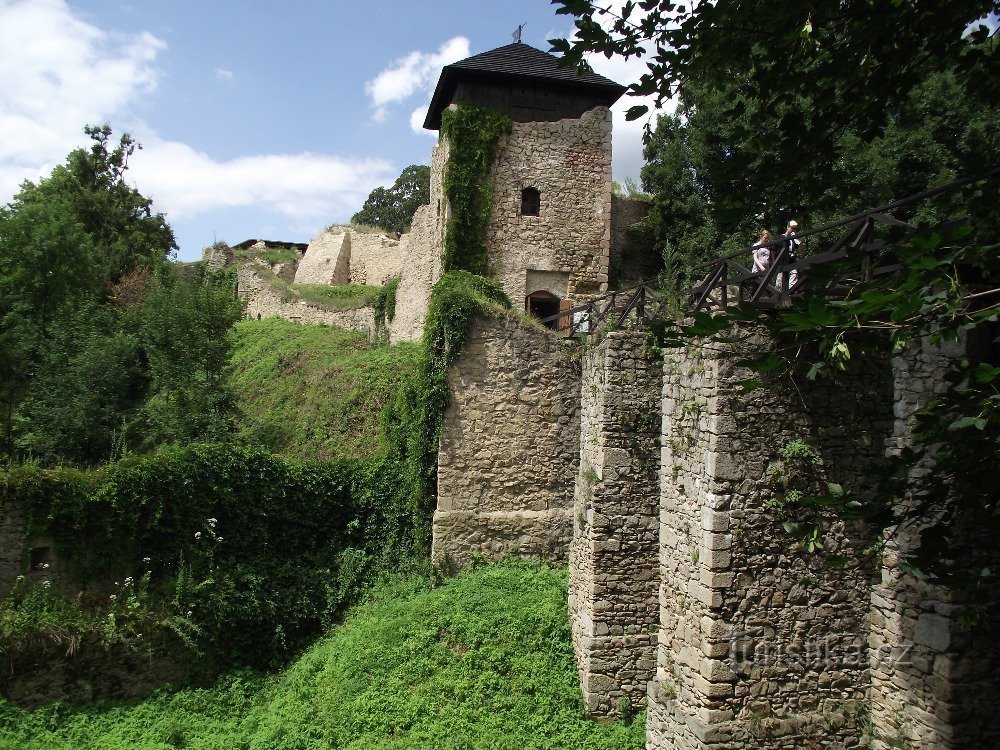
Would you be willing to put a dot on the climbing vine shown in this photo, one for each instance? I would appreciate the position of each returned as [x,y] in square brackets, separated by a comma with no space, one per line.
[384,306]
[414,426]
[473,134]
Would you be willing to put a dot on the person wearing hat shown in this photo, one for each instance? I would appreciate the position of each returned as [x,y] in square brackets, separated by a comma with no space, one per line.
[792,246]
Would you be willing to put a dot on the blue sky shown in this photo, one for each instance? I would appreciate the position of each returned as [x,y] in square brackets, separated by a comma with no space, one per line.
[258,119]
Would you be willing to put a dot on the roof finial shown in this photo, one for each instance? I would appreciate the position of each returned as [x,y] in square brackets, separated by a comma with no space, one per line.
[517,34]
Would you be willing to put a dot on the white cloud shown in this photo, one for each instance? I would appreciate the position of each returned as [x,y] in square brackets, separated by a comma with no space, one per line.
[184,182]
[60,72]
[627,136]
[417,118]
[413,73]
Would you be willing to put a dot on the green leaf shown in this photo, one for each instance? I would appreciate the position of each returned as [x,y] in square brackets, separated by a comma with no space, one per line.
[771,363]
[634,113]
[815,370]
[962,422]
[986,373]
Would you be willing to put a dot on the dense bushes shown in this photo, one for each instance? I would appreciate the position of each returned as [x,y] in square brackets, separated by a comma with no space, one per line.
[258,553]
[105,346]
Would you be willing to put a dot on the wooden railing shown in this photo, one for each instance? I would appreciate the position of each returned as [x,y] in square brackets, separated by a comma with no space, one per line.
[639,304]
[728,280]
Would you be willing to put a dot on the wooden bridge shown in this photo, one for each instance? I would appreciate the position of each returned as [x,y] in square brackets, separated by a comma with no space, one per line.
[726,281]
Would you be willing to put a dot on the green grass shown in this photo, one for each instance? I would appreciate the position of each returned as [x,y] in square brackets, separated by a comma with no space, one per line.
[316,392]
[343,297]
[484,661]
[272,255]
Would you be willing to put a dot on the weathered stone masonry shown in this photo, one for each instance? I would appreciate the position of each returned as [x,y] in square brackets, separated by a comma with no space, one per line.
[564,250]
[613,604]
[509,446]
[262,300]
[760,645]
[933,677]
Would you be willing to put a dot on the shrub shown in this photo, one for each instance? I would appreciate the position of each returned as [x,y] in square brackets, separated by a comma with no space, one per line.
[257,552]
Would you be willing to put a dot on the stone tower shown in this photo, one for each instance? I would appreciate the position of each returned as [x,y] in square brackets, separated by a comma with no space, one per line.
[549,233]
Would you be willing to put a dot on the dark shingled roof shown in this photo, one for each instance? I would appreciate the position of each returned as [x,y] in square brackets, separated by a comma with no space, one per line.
[515,63]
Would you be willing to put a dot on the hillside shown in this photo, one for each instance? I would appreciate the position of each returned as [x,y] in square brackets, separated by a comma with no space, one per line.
[483,661]
[315,392]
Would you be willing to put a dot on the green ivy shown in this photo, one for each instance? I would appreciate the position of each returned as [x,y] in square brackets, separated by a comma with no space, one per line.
[473,133]
[384,306]
[259,553]
[414,426]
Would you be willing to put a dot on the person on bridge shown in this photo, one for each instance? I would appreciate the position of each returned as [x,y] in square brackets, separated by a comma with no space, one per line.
[762,253]
[792,246]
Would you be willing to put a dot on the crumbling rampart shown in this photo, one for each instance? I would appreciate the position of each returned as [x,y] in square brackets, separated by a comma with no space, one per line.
[692,582]
[761,644]
[263,300]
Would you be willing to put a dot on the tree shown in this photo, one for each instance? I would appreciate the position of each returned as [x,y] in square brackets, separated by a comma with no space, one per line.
[795,74]
[184,330]
[64,243]
[829,107]
[680,216]
[713,193]
[105,346]
[392,209]
[849,57]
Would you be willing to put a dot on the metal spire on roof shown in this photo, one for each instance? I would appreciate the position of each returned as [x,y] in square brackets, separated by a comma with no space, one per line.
[517,33]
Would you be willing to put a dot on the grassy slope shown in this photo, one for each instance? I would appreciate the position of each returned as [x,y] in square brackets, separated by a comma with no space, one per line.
[316,392]
[482,662]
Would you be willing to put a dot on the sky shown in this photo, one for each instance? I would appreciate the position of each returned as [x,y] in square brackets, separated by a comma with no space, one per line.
[257,119]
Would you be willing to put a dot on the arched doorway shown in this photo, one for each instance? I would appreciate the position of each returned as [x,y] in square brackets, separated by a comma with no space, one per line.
[541,305]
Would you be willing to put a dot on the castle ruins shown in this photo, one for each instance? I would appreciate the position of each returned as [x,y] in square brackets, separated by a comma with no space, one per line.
[656,476]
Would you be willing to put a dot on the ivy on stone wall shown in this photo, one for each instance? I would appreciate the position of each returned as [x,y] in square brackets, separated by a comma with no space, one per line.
[384,307]
[473,133]
[259,553]
[414,425]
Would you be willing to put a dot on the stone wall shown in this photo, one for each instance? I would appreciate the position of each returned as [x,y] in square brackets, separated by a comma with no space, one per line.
[564,250]
[46,673]
[263,300]
[347,255]
[761,644]
[509,448]
[933,649]
[422,249]
[634,256]
[569,163]
[326,260]
[613,602]
[375,258]
[217,256]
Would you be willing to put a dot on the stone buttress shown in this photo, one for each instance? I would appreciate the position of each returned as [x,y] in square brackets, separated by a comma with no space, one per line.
[613,557]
